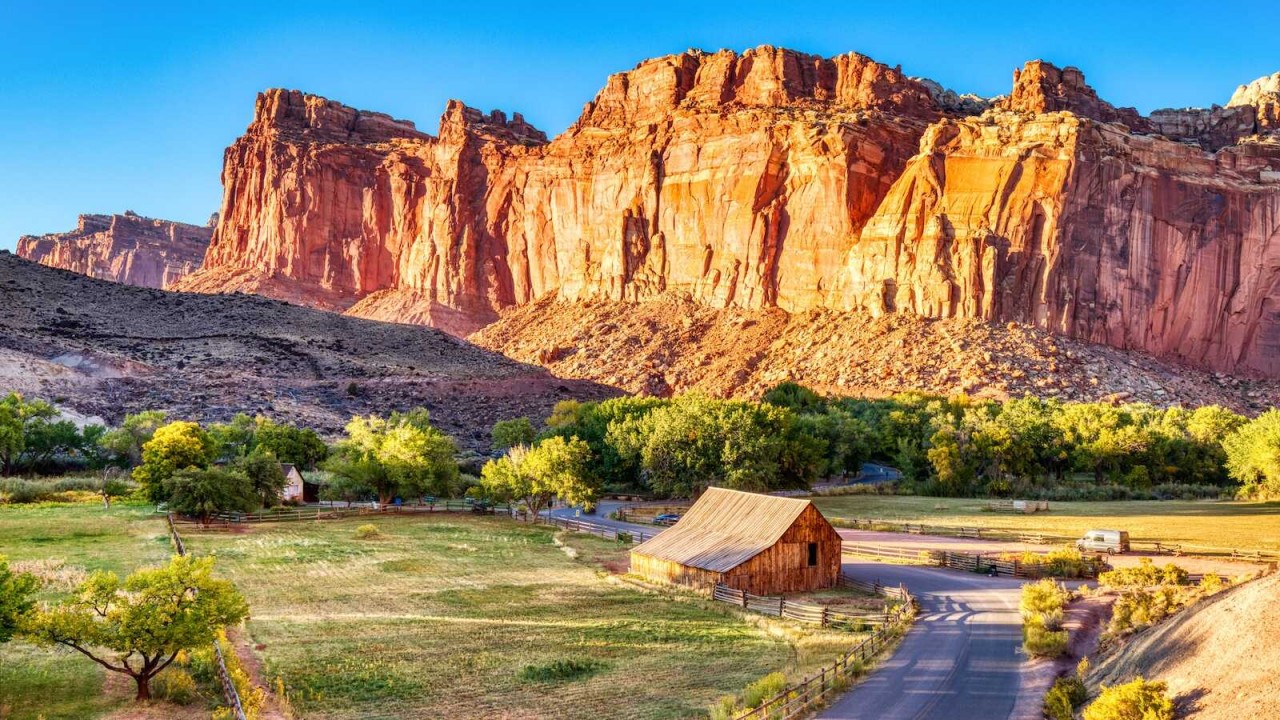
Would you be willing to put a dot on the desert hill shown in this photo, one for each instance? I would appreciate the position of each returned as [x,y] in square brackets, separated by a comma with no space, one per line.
[1219,658]
[104,349]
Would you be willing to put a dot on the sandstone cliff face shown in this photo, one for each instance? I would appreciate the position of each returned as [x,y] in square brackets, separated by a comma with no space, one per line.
[773,179]
[126,248]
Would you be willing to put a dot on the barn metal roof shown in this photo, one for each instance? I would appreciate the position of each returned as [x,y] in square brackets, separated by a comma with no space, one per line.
[724,529]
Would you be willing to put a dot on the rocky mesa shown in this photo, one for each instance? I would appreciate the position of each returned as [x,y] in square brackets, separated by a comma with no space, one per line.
[126,248]
[772,179]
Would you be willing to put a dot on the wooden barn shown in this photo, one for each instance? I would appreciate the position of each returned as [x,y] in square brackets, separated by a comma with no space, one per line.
[763,544]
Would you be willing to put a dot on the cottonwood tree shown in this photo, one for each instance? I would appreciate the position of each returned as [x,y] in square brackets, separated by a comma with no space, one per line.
[402,454]
[21,422]
[16,591]
[176,446]
[535,476]
[1253,455]
[137,627]
[509,433]
[265,475]
[134,432]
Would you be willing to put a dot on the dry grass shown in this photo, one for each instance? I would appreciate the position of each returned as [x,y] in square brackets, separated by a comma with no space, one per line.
[442,615]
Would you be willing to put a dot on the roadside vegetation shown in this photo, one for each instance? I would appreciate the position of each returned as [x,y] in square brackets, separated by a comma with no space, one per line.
[1149,594]
[1042,606]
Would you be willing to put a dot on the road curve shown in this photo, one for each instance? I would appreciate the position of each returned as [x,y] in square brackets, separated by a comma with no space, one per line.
[960,661]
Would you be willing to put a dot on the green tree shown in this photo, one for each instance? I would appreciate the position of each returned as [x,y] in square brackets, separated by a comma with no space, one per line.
[290,444]
[177,446]
[1253,455]
[509,433]
[535,476]
[16,591]
[137,627]
[134,432]
[201,493]
[796,397]
[23,423]
[235,439]
[265,475]
[399,455]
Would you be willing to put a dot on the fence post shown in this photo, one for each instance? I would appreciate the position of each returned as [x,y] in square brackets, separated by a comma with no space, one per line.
[826,620]
[782,603]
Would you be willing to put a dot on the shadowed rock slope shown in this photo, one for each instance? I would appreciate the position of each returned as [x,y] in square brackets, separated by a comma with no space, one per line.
[105,349]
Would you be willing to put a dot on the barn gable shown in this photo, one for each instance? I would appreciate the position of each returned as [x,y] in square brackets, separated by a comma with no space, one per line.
[755,542]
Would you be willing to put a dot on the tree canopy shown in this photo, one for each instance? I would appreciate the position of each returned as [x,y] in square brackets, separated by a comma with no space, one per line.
[400,455]
[139,625]
[1253,455]
[16,592]
[534,476]
[177,446]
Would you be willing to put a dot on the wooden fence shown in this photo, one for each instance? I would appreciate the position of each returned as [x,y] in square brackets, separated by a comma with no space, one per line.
[229,693]
[798,700]
[647,512]
[995,563]
[801,612]
[329,512]
[1032,538]
[604,531]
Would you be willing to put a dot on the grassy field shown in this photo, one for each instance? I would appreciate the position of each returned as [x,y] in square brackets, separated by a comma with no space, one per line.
[62,543]
[471,617]
[1210,523]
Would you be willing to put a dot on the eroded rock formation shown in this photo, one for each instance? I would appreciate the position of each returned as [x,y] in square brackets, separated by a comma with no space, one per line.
[126,248]
[773,179]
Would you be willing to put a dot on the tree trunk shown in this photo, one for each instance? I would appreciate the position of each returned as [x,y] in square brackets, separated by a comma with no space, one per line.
[144,687]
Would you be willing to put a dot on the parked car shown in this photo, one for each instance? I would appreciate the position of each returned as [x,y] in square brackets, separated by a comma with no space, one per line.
[1110,542]
[666,519]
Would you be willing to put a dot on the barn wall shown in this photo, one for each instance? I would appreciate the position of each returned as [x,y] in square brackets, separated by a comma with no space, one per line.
[784,568]
[659,570]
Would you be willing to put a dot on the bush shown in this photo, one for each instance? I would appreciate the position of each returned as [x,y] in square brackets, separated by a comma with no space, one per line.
[365,532]
[1137,700]
[1067,694]
[1146,574]
[763,689]
[1137,608]
[726,708]
[1212,584]
[1039,641]
[561,670]
[175,685]
[1042,598]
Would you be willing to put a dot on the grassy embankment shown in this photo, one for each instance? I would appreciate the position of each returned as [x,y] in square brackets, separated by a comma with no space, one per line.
[1210,523]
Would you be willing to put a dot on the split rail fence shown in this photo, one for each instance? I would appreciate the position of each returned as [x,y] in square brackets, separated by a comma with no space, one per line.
[973,562]
[798,700]
[801,612]
[229,693]
[604,531]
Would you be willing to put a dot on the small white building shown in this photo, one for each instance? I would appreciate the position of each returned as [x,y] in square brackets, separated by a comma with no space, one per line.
[296,488]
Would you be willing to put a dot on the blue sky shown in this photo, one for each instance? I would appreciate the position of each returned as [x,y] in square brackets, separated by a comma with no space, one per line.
[104,109]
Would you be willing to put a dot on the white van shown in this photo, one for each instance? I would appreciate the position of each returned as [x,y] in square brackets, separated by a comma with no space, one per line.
[1107,541]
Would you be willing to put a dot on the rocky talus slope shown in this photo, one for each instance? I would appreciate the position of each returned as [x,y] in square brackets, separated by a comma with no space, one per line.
[103,349]
[661,347]
[772,179]
[126,248]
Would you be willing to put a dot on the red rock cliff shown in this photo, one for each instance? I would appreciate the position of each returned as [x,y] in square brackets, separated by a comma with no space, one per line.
[126,248]
[776,179]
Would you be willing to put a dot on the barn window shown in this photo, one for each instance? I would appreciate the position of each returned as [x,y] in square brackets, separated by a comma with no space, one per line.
[813,554]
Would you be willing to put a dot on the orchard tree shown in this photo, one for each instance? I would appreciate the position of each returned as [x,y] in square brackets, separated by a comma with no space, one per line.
[509,433]
[24,427]
[177,446]
[535,476]
[289,443]
[137,627]
[265,475]
[201,493]
[16,591]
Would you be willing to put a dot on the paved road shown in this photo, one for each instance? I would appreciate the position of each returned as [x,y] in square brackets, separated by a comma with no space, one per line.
[601,518]
[960,661]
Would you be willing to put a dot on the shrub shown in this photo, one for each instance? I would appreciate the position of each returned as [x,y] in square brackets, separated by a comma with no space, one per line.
[763,689]
[1039,641]
[726,708]
[1137,700]
[625,537]
[1212,584]
[561,670]
[1146,574]
[1042,598]
[1067,694]
[365,532]
[1139,607]
[177,686]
